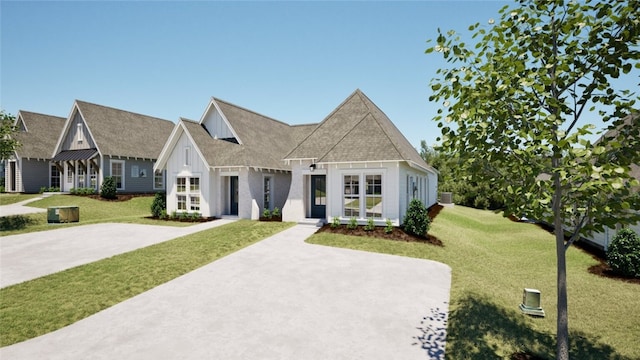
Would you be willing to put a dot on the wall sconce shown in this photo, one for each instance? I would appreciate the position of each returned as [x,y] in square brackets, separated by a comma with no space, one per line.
[312,167]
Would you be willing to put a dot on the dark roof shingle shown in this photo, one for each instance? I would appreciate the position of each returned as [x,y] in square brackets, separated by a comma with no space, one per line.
[41,136]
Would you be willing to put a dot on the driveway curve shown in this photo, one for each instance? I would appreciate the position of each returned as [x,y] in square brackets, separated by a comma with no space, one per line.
[280,298]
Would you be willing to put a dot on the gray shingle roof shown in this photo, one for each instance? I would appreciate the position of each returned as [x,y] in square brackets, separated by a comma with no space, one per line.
[41,135]
[357,130]
[123,133]
[263,140]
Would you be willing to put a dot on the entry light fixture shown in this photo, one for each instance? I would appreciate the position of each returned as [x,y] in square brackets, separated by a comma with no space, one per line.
[312,167]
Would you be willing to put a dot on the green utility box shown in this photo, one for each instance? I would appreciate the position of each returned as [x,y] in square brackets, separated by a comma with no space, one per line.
[63,214]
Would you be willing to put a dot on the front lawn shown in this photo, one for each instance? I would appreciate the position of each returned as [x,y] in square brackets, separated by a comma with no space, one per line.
[9,198]
[493,259]
[51,302]
[93,211]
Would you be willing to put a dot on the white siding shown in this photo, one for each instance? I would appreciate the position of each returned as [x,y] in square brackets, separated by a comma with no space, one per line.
[216,125]
[603,239]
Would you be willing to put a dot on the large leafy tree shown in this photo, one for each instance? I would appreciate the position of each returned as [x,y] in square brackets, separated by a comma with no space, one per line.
[7,144]
[513,108]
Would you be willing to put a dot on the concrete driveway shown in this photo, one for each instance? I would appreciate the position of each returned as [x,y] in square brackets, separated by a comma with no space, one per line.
[20,208]
[28,256]
[280,298]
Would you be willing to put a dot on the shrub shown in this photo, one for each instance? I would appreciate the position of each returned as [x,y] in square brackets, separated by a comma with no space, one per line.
[158,205]
[352,224]
[623,254]
[43,189]
[195,216]
[389,228]
[275,212]
[15,222]
[163,215]
[2,189]
[417,221]
[370,225]
[108,189]
[335,223]
[266,214]
[174,215]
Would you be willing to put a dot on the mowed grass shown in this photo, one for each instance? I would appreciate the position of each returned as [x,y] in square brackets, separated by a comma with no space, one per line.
[49,303]
[93,211]
[8,198]
[492,260]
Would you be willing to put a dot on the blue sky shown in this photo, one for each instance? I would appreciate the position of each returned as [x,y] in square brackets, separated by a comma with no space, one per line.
[293,61]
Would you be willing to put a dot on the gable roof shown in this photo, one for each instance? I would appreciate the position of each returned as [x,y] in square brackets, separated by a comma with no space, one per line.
[38,134]
[122,133]
[357,130]
[262,141]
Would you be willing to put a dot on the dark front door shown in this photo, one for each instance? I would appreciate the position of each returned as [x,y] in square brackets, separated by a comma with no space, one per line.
[318,196]
[234,195]
[12,179]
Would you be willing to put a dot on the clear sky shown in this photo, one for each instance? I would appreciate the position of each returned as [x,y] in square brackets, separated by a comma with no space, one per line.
[293,61]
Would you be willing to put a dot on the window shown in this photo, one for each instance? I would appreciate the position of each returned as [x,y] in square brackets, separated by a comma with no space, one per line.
[182,202]
[55,176]
[80,133]
[80,177]
[373,196]
[117,172]
[181,184]
[267,193]
[187,156]
[69,175]
[194,201]
[158,179]
[135,171]
[194,185]
[93,176]
[351,202]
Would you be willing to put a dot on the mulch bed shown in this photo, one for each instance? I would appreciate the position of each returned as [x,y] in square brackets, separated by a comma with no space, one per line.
[396,235]
[199,220]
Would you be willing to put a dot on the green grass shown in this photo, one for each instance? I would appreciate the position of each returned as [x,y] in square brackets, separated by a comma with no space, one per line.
[492,260]
[6,199]
[93,211]
[49,303]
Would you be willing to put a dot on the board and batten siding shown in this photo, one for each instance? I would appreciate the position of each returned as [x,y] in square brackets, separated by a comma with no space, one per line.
[71,141]
[216,125]
[178,166]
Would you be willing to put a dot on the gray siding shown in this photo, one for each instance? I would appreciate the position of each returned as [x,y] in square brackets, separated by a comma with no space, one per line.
[35,175]
[132,184]
[71,142]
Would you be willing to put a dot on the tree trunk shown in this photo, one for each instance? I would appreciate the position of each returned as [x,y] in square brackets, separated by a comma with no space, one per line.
[562,352]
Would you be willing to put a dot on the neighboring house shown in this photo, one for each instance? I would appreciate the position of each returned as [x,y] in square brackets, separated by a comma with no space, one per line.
[356,163]
[236,162]
[98,141]
[228,163]
[30,167]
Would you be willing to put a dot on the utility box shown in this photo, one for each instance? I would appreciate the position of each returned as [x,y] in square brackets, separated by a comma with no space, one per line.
[63,214]
[531,302]
[446,198]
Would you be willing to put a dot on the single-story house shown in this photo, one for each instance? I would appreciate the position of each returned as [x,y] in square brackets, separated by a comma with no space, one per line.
[99,141]
[355,163]
[30,168]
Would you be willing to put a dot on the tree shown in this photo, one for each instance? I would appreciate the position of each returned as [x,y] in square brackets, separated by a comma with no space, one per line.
[7,144]
[513,109]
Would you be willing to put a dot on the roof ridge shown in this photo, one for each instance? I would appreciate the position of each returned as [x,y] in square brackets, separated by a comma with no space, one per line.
[250,111]
[126,111]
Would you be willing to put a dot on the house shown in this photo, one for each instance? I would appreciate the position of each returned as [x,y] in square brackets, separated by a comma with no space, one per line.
[228,163]
[355,163]
[30,168]
[98,141]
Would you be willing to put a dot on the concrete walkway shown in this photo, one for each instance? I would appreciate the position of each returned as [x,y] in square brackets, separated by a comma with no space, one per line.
[28,256]
[20,208]
[280,298]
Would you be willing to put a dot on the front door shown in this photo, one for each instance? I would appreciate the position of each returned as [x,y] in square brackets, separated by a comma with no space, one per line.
[12,176]
[233,195]
[318,196]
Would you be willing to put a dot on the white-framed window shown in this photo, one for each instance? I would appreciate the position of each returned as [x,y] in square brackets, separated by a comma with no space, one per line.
[351,196]
[135,171]
[93,176]
[373,196]
[158,179]
[182,202]
[55,177]
[117,173]
[188,196]
[268,183]
[80,177]
[80,133]
[187,155]
[69,175]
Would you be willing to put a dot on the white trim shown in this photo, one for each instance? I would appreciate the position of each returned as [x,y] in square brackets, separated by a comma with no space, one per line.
[124,171]
[222,115]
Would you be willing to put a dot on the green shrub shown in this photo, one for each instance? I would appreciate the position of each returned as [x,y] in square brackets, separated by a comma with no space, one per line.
[623,254]
[389,228]
[335,223]
[174,215]
[158,205]
[42,189]
[417,221]
[15,222]
[195,216]
[2,190]
[352,224]
[163,215]
[275,212]
[266,214]
[108,189]
[370,225]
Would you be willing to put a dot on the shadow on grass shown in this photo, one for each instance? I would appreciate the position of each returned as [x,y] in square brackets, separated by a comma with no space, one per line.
[477,325]
[15,222]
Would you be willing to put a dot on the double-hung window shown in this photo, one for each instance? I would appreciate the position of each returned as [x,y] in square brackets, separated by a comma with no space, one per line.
[373,196]
[117,173]
[267,193]
[351,196]
[362,204]
[194,194]
[188,193]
